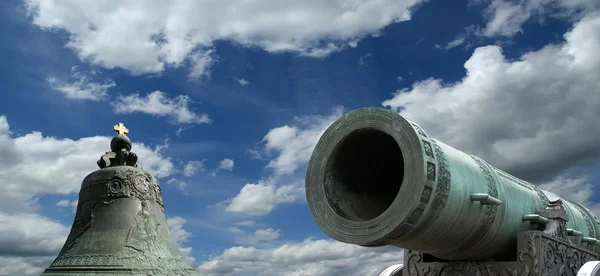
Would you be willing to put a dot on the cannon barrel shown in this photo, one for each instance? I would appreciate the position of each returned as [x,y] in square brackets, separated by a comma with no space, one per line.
[376,178]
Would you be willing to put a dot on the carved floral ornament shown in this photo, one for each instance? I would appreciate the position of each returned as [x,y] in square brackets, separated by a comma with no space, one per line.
[438,181]
[539,254]
[120,175]
[123,182]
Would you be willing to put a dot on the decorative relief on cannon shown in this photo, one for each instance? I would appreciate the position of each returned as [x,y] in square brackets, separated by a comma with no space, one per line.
[443,182]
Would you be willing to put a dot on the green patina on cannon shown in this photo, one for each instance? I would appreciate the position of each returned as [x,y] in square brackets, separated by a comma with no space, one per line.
[376,178]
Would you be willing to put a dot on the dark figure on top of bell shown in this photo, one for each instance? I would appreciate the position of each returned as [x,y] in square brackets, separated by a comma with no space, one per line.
[120,147]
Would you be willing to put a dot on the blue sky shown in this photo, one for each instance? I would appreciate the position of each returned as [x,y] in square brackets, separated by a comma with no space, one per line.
[225,101]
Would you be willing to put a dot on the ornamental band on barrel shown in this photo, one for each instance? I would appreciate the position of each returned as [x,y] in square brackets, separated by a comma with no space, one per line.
[376,178]
[120,226]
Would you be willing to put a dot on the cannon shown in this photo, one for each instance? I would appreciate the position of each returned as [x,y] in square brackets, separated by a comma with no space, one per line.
[376,179]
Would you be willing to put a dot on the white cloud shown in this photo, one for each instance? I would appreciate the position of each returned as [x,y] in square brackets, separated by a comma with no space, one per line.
[455,43]
[310,257]
[63,203]
[179,131]
[200,63]
[192,167]
[179,183]
[181,236]
[235,230]
[506,18]
[261,237]
[260,199]
[153,161]
[246,223]
[29,243]
[29,234]
[268,234]
[515,113]
[242,82]
[24,266]
[577,188]
[226,164]
[82,86]
[60,164]
[323,51]
[294,144]
[146,38]
[257,154]
[68,203]
[4,129]
[362,61]
[159,104]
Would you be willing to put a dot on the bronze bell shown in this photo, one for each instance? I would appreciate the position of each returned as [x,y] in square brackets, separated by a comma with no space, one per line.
[120,226]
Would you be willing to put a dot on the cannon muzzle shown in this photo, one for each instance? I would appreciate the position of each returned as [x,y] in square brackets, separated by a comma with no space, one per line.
[375,179]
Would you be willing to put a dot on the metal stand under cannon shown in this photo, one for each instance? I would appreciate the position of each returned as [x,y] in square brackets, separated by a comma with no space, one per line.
[544,252]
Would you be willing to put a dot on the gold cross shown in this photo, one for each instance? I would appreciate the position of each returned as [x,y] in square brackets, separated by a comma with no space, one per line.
[121,129]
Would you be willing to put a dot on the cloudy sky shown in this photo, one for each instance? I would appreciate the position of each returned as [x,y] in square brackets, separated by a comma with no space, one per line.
[225,101]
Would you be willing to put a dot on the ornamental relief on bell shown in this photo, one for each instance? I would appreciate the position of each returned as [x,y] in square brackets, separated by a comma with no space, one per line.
[125,182]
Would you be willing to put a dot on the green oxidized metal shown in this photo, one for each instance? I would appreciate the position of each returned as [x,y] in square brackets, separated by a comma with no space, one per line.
[120,226]
[376,178]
